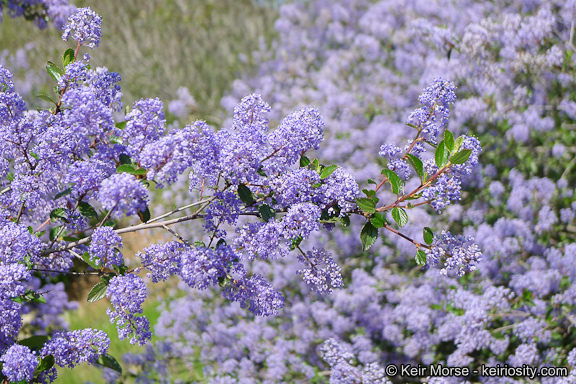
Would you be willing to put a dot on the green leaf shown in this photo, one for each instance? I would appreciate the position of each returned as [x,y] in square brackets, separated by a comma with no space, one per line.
[416,163]
[345,221]
[369,192]
[109,223]
[461,156]
[35,343]
[378,220]
[54,71]
[458,143]
[420,257]
[63,193]
[261,172]
[400,216]
[366,204]
[304,161]
[10,176]
[67,57]
[370,181]
[413,126]
[144,215]
[428,235]
[115,139]
[86,209]
[98,292]
[47,98]
[128,168]
[328,171]
[86,258]
[45,364]
[125,159]
[140,171]
[394,180]
[121,125]
[266,212]
[316,164]
[58,213]
[441,155]
[295,242]
[29,297]
[54,232]
[108,361]
[368,235]
[246,194]
[449,140]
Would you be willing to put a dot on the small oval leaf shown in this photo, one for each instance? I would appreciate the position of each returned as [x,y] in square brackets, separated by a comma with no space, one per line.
[428,235]
[368,235]
[98,292]
[378,220]
[420,258]
[394,180]
[400,216]
[245,194]
[328,171]
[442,155]
[366,204]
[266,212]
[449,140]
[461,156]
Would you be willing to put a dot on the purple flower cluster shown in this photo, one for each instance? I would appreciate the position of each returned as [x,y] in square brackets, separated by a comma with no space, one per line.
[75,347]
[460,253]
[122,193]
[162,261]
[321,272]
[104,248]
[256,294]
[19,363]
[203,267]
[84,26]
[127,293]
[144,124]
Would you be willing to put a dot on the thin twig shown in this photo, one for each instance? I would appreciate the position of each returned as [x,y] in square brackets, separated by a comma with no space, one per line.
[177,235]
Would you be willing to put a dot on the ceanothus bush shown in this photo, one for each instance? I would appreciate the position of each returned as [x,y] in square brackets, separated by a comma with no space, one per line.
[362,64]
[73,173]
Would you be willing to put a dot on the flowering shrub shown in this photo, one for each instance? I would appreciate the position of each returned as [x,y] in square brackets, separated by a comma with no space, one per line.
[362,64]
[72,173]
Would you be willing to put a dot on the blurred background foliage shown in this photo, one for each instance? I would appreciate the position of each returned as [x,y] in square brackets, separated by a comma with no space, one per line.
[158,46]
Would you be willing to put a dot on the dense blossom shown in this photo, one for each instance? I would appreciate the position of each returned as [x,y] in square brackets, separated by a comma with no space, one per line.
[74,347]
[203,267]
[514,94]
[127,293]
[104,246]
[162,260]
[84,26]
[363,65]
[19,363]
[300,221]
[256,294]
[123,193]
[144,124]
[321,272]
